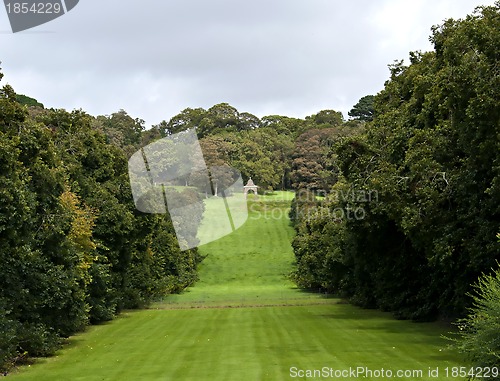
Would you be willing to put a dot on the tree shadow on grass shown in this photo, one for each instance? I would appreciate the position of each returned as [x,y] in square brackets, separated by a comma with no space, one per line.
[320,293]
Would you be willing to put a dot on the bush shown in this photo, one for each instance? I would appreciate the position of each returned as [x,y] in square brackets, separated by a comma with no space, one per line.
[37,340]
[480,330]
[7,339]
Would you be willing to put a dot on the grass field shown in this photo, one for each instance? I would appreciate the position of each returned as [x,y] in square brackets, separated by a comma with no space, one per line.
[245,321]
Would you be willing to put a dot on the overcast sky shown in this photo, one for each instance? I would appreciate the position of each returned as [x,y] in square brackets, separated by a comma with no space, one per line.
[154,58]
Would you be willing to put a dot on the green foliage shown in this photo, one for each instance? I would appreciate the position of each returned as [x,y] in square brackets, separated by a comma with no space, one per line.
[311,167]
[28,101]
[326,118]
[121,130]
[301,206]
[364,109]
[284,125]
[431,156]
[8,339]
[262,154]
[480,330]
[219,118]
[314,166]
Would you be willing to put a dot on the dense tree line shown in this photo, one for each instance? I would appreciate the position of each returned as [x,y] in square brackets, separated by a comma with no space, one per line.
[73,248]
[278,152]
[411,222]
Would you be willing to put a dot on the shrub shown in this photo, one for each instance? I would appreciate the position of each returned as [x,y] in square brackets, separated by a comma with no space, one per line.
[480,330]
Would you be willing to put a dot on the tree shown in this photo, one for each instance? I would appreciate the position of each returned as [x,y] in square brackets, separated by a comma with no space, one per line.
[326,118]
[248,121]
[311,168]
[15,223]
[219,152]
[217,119]
[364,109]
[43,274]
[224,116]
[285,125]
[261,153]
[122,130]
[188,118]
[28,101]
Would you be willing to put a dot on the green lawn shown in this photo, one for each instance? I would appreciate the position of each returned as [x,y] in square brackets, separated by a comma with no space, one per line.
[245,321]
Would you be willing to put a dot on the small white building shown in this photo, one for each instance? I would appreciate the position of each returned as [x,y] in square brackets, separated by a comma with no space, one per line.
[250,187]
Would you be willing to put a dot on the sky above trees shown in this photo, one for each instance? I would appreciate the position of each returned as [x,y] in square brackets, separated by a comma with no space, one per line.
[153,58]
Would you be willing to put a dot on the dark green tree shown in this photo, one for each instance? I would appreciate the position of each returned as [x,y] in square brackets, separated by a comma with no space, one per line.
[285,125]
[311,167]
[364,109]
[326,118]
[122,130]
[28,101]
[188,118]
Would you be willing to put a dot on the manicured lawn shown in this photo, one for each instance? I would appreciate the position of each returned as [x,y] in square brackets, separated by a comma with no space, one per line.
[250,265]
[243,344]
[245,321]
[278,195]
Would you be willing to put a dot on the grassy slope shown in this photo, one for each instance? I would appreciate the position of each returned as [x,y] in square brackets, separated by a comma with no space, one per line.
[250,265]
[174,341]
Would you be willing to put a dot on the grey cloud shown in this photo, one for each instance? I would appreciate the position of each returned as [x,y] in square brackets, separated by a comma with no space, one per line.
[153,58]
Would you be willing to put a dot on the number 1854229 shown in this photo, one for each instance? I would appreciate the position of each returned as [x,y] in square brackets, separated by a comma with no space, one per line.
[24,8]
[473,372]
